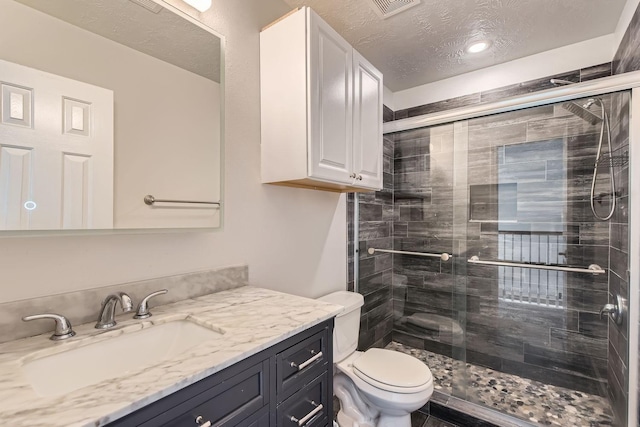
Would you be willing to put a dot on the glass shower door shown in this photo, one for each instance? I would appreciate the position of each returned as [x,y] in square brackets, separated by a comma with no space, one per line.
[536,347]
[427,311]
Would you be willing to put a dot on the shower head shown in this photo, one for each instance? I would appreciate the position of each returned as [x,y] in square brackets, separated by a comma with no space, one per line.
[592,101]
[583,111]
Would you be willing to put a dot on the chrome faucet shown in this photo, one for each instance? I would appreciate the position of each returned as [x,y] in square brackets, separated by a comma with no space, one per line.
[106,319]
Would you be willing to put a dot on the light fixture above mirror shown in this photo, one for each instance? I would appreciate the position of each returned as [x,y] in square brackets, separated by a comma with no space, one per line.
[200,5]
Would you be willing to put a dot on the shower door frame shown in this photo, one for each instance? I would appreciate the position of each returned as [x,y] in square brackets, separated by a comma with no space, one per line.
[622,82]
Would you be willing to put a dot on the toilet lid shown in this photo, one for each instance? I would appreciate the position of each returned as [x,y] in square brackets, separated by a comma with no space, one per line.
[391,368]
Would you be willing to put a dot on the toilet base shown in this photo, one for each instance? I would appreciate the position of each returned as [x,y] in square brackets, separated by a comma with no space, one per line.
[386,420]
[354,412]
[345,420]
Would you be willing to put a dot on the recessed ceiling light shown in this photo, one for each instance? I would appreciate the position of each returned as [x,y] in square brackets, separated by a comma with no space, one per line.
[478,47]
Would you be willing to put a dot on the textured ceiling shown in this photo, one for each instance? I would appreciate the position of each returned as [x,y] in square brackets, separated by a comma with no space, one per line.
[427,42]
[165,35]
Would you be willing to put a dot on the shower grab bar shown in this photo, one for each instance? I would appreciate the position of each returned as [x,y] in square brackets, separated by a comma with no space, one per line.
[150,200]
[443,256]
[593,268]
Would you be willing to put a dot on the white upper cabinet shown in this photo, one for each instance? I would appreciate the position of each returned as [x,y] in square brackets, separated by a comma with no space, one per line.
[321,108]
[367,123]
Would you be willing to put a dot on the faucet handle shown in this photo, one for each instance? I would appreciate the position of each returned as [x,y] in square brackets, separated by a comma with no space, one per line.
[143,308]
[63,326]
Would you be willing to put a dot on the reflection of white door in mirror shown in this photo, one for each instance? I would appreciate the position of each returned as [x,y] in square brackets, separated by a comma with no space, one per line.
[56,152]
[163,69]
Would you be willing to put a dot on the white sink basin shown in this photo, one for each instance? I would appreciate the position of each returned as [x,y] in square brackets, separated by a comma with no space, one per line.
[79,367]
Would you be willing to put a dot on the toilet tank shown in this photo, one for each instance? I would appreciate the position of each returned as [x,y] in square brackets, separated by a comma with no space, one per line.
[347,324]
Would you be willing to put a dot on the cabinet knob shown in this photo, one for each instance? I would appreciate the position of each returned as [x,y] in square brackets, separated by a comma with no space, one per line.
[201,422]
[353,175]
[359,178]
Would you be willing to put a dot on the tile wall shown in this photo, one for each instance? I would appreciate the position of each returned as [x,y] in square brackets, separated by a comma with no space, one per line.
[582,75]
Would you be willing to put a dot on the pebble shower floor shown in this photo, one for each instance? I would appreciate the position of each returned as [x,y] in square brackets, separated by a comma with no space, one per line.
[523,398]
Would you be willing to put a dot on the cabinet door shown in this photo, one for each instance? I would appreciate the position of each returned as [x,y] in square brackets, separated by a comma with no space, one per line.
[367,123]
[330,103]
[309,407]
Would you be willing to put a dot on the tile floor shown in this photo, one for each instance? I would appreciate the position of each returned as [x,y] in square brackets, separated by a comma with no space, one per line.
[523,398]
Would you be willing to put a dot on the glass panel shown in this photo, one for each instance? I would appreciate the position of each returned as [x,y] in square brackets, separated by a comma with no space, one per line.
[426,308]
[536,348]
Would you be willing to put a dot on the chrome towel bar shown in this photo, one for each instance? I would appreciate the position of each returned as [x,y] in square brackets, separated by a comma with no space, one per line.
[443,256]
[150,200]
[593,268]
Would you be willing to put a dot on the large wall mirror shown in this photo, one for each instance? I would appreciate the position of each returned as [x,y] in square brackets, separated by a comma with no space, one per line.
[104,103]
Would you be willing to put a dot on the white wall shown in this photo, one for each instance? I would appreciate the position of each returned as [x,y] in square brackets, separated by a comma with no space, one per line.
[294,240]
[166,118]
[566,58]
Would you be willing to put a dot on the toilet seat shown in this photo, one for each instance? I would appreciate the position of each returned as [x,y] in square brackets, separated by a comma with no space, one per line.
[373,367]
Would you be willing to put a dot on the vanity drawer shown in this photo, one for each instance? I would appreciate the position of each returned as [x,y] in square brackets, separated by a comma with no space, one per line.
[259,419]
[309,407]
[302,361]
[226,404]
[227,398]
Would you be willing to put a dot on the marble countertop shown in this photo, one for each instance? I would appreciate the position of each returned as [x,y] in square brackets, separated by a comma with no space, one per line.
[251,320]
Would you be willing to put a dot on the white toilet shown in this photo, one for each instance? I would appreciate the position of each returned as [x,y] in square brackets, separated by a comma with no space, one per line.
[376,388]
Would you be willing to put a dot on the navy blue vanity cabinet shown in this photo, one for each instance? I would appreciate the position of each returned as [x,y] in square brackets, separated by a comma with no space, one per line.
[287,385]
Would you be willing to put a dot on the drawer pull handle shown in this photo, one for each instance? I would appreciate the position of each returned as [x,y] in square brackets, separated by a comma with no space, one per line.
[201,422]
[310,415]
[307,363]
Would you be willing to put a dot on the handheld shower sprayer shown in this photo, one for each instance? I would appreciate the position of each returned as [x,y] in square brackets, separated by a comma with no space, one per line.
[584,112]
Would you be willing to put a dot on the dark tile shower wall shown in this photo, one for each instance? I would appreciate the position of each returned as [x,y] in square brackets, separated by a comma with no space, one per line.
[539,161]
[375,272]
[582,75]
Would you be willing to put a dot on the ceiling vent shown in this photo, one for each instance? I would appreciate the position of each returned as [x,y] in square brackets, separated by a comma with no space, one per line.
[148,4]
[388,8]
